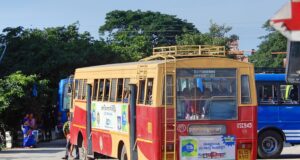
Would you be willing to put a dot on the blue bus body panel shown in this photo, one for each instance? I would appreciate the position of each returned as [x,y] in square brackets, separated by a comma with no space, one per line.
[284,116]
[61,95]
[270,77]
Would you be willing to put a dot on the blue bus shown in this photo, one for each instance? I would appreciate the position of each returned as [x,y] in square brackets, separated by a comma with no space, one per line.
[64,99]
[278,114]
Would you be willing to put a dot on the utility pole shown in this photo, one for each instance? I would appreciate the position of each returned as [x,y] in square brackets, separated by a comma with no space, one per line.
[3,52]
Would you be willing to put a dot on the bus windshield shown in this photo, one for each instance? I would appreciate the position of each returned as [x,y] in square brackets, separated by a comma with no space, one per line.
[206,94]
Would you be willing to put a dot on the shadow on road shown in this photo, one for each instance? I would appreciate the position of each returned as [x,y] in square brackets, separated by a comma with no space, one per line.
[289,156]
[30,151]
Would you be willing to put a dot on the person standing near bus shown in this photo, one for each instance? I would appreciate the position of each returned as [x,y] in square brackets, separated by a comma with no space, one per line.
[69,146]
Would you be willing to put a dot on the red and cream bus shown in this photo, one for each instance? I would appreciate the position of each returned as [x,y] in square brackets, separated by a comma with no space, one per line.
[183,102]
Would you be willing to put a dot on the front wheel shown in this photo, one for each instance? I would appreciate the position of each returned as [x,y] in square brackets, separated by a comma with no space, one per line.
[270,144]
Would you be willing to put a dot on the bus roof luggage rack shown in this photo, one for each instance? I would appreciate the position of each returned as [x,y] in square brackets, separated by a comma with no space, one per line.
[184,51]
[190,50]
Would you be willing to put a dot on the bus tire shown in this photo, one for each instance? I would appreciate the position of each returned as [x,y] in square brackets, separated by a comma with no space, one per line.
[83,152]
[123,153]
[270,144]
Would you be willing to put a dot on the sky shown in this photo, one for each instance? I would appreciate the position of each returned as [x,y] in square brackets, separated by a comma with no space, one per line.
[245,16]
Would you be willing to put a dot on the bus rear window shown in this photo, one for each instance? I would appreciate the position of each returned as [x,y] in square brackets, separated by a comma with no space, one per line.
[245,90]
[207,94]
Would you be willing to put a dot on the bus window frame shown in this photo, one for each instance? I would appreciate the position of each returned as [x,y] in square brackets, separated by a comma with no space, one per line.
[148,102]
[138,94]
[249,89]
[277,85]
[127,93]
[84,89]
[94,98]
[258,94]
[76,89]
[165,88]
[236,99]
[117,92]
[104,90]
[111,89]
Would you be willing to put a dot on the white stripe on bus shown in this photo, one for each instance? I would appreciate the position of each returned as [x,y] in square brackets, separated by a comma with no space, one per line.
[292,138]
[291,131]
[292,135]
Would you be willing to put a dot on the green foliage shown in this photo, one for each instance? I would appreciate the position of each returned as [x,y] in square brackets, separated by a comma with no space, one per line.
[215,36]
[16,96]
[135,33]
[53,53]
[273,42]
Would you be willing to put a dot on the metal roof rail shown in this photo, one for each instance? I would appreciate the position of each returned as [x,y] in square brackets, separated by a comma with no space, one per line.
[191,51]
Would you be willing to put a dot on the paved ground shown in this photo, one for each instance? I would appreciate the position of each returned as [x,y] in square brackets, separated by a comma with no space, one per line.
[290,152]
[54,150]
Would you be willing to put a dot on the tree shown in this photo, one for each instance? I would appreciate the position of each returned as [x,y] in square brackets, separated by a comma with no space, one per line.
[272,42]
[217,35]
[19,94]
[134,33]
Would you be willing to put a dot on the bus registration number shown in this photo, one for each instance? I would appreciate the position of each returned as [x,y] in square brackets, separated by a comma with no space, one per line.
[244,154]
[244,125]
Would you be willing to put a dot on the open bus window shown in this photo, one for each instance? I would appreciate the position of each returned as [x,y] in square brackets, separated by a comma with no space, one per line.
[149,91]
[169,93]
[95,89]
[106,89]
[206,94]
[119,89]
[245,90]
[100,90]
[289,94]
[113,90]
[141,91]
[126,91]
[80,85]
[84,89]
[76,94]
[267,94]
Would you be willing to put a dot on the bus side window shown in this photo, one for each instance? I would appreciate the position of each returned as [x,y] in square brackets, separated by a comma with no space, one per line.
[126,91]
[95,89]
[268,94]
[106,89]
[84,89]
[169,93]
[141,92]
[113,90]
[100,90]
[245,90]
[149,91]
[120,89]
[289,94]
[76,94]
[80,85]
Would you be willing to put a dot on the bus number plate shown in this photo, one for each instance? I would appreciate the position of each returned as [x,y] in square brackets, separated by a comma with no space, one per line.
[244,125]
[244,154]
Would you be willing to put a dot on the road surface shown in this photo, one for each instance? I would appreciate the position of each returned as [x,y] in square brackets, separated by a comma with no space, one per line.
[53,150]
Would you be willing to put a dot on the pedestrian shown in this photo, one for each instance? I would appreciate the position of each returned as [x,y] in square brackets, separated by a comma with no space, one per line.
[69,146]
[32,121]
[28,139]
